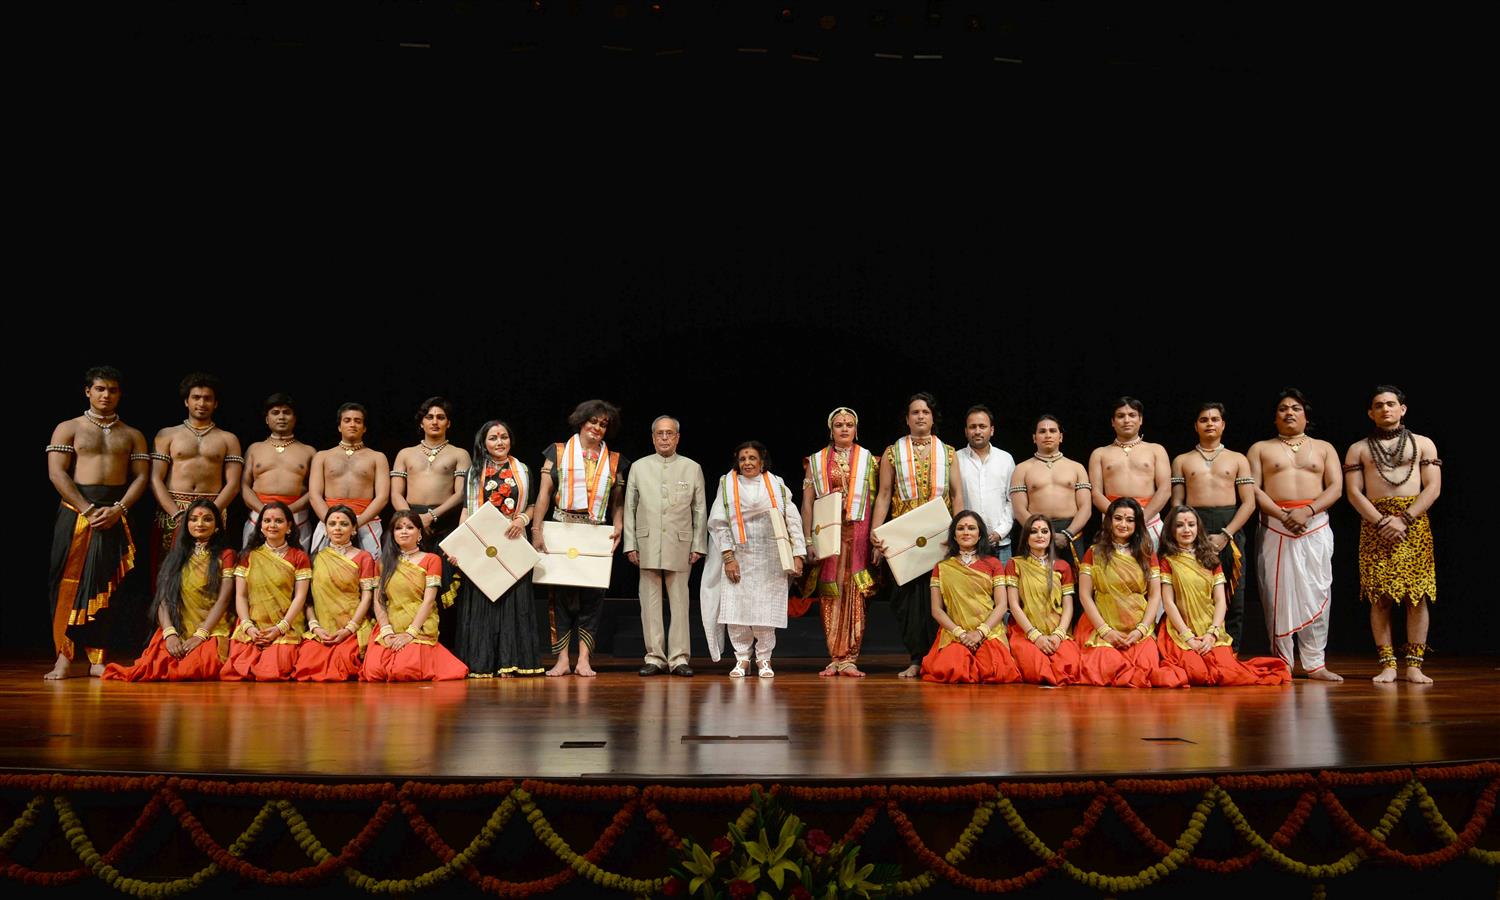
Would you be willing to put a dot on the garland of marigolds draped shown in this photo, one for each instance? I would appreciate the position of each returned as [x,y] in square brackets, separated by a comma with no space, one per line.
[279,798]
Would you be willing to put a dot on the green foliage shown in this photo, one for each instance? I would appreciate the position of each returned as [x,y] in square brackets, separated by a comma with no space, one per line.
[780,868]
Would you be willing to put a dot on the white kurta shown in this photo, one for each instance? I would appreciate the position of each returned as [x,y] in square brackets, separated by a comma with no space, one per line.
[760,597]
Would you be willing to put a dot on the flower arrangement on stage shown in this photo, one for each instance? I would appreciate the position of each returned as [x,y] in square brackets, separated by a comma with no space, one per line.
[802,863]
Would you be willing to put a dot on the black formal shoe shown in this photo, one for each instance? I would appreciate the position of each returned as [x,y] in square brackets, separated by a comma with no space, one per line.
[683,669]
[649,669]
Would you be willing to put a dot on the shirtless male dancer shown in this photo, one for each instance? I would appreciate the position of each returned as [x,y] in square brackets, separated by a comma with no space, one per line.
[1297,479]
[1052,485]
[277,468]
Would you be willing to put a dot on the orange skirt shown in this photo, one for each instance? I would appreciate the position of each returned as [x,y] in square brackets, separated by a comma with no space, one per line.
[248,662]
[414,662]
[956,664]
[1037,667]
[156,664]
[1221,668]
[1140,666]
[317,661]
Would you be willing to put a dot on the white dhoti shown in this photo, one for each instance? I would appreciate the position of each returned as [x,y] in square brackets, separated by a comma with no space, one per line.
[367,538]
[1153,531]
[1296,585]
[302,519]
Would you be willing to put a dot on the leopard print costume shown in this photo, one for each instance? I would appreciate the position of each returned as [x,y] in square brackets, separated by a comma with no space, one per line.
[1402,571]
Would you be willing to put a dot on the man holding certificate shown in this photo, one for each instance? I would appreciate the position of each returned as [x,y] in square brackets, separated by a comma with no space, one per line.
[583,484]
[757,543]
[666,533]
[837,494]
[917,468]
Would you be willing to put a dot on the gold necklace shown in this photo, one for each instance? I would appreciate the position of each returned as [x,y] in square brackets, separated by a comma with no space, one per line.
[281,448]
[1128,447]
[432,452]
[1048,461]
[1302,439]
[351,449]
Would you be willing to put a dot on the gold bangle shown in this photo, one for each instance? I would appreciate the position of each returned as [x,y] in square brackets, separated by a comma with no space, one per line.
[169,631]
[1143,628]
[201,635]
[1033,634]
[958,632]
[412,630]
[1059,633]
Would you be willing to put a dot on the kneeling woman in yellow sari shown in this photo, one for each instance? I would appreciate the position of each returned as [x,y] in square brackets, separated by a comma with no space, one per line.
[1041,608]
[270,591]
[1192,588]
[406,647]
[1120,588]
[193,590]
[343,582]
[968,601]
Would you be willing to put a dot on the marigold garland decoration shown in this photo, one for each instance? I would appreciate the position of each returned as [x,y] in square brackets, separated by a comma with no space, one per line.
[168,796]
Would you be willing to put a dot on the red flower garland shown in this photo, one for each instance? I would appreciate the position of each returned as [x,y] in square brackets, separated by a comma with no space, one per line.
[937,864]
[167,794]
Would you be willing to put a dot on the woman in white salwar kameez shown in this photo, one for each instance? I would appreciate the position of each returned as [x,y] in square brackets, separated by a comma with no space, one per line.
[745,586]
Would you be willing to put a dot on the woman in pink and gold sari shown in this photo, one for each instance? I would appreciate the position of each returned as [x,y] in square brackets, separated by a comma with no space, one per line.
[842,583]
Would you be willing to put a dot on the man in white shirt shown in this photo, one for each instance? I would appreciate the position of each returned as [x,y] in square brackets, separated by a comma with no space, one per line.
[986,475]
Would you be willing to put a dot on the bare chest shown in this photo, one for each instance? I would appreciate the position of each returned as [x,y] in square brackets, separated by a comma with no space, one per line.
[290,461]
[1038,477]
[338,465]
[1138,462]
[185,446]
[443,465]
[93,441]
[1282,458]
[1218,471]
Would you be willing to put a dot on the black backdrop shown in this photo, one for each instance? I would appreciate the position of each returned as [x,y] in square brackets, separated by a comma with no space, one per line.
[760,342]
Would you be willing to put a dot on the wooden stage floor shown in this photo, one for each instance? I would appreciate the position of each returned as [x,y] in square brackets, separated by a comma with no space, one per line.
[797,727]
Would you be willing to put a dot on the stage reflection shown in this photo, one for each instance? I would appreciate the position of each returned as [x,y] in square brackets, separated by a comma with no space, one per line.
[795,726]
